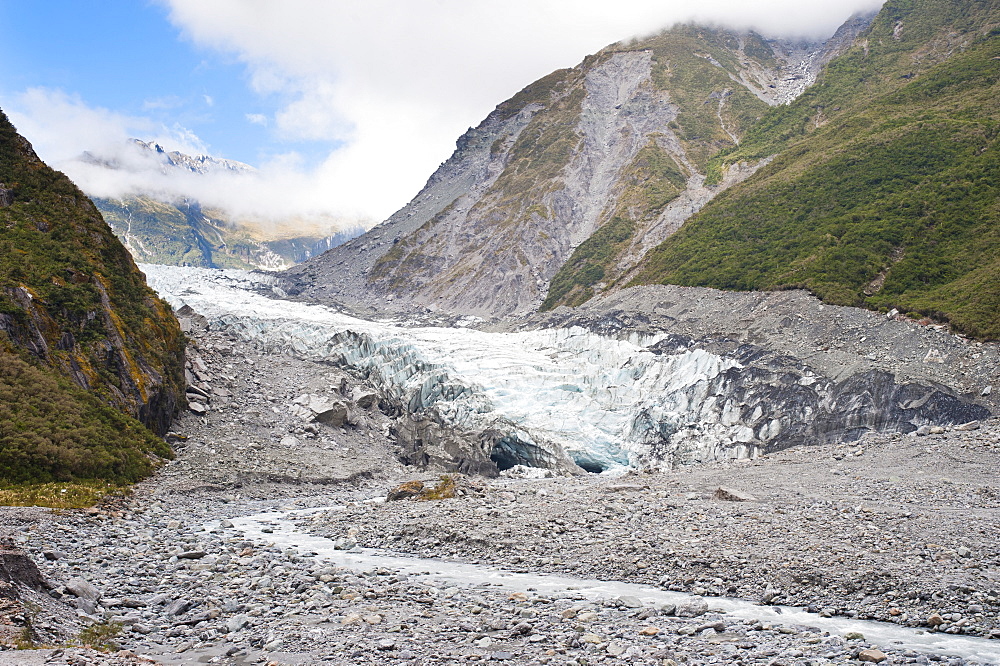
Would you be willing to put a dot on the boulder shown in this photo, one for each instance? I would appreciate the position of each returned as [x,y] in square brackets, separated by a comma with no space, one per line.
[872,656]
[364,398]
[336,415]
[730,495]
[693,607]
[405,490]
[84,590]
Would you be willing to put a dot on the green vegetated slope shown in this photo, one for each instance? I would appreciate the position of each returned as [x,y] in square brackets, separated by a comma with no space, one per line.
[186,234]
[91,360]
[695,67]
[52,430]
[885,189]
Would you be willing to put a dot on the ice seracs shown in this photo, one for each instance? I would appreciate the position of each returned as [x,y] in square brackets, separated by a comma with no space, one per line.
[567,397]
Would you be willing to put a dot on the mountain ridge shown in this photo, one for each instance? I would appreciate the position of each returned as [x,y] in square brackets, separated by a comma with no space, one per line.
[164,228]
[605,145]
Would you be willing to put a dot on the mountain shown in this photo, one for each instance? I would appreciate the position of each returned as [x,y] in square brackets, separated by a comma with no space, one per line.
[201,164]
[184,233]
[582,170]
[861,169]
[175,230]
[883,191]
[87,350]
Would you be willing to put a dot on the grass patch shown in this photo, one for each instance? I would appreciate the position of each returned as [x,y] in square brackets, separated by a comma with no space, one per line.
[57,495]
[101,636]
[445,488]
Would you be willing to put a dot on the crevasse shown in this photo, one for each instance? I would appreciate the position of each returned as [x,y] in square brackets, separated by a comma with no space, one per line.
[605,402]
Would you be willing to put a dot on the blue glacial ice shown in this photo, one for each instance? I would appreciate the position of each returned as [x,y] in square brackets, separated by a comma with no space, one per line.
[604,402]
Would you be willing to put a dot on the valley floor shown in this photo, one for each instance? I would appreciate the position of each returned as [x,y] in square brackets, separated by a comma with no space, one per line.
[894,528]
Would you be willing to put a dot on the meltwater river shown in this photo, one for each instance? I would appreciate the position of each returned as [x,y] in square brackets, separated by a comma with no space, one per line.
[284,534]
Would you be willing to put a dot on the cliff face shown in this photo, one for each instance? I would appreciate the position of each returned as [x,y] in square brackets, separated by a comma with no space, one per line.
[563,187]
[71,297]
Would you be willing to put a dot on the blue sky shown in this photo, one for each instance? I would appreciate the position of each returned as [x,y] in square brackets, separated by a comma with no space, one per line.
[345,107]
[125,55]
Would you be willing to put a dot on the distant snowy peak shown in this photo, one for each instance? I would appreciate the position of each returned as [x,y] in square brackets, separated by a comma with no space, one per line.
[196,163]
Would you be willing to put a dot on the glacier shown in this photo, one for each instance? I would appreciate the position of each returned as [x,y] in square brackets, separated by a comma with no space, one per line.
[566,398]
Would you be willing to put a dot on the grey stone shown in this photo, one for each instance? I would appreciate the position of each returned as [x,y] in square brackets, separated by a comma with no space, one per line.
[629,601]
[237,622]
[730,495]
[78,587]
[692,607]
[177,607]
[365,399]
[335,416]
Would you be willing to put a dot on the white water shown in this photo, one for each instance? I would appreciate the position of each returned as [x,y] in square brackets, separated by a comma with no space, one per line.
[602,401]
[285,535]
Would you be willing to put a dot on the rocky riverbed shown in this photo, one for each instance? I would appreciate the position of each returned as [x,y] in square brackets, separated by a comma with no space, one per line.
[894,528]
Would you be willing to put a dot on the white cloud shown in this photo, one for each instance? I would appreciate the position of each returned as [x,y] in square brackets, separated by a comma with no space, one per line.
[398,82]
[62,127]
[387,85]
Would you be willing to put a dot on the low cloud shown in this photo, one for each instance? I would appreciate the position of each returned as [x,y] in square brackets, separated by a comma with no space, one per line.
[93,147]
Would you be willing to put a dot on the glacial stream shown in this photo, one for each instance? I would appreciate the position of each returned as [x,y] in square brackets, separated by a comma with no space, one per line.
[283,533]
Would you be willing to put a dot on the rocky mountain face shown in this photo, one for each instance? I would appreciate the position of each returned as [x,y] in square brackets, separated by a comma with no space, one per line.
[181,231]
[563,187]
[73,305]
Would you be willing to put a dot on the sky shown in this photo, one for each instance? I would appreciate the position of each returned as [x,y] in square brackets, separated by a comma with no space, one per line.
[344,107]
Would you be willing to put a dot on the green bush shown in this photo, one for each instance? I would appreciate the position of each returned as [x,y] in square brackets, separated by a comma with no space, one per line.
[51,430]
